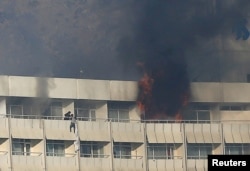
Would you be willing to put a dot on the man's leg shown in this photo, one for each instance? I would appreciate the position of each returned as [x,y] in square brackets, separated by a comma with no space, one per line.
[70,127]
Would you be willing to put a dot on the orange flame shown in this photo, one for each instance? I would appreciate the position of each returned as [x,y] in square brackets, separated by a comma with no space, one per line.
[145,85]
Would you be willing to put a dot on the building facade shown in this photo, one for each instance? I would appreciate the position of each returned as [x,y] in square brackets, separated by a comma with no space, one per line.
[110,135]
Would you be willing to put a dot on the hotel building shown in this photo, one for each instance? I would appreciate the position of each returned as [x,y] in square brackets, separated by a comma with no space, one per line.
[110,134]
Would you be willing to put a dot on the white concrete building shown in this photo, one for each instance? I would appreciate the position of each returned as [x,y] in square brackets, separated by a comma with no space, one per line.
[35,136]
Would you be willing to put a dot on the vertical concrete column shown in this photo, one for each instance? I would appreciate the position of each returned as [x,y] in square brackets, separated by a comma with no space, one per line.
[44,146]
[10,144]
[145,161]
[112,147]
[77,142]
[184,146]
[3,105]
[222,145]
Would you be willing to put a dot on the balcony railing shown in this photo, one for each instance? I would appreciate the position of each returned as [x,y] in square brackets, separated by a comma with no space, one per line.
[87,155]
[26,153]
[156,157]
[127,157]
[197,157]
[60,154]
[120,120]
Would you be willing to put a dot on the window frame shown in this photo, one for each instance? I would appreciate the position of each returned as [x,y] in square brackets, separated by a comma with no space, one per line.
[92,147]
[114,115]
[198,147]
[25,147]
[55,144]
[228,148]
[90,114]
[168,148]
[122,150]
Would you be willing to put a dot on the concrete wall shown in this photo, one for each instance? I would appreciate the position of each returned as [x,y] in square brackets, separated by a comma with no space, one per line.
[220,92]
[94,131]
[127,132]
[28,163]
[27,128]
[58,130]
[95,164]
[112,90]
[234,115]
[4,127]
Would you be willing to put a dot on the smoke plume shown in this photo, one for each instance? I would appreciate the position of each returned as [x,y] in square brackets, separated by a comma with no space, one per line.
[163,34]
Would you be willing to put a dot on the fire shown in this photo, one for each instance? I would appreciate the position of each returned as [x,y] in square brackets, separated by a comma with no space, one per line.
[162,93]
[145,85]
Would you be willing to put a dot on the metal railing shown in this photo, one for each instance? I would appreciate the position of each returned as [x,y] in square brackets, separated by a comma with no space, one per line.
[197,157]
[127,157]
[60,154]
[120,120]
[87,155]
[26,153]
[165,157]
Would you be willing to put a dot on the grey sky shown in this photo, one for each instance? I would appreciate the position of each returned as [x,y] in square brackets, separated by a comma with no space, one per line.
[104,38]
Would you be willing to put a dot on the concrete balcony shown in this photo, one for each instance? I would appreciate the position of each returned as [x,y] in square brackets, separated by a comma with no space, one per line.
[128,164]
[163,165]
[236,132]
[203,133]
[95,164]
[26,128]
[58,130]
[61,163]
[164,133]
[94,131]
[127,132]
[29,163]
[196,164]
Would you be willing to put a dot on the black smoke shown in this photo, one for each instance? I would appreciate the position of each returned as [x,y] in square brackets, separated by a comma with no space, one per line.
[164,33]
[88,38]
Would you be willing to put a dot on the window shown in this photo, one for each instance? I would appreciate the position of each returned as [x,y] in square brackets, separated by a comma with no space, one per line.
[54,111]
[198,113]
[198,116]
[232,107]
[237,149]
[18,109]
[198,151]
[85,114]
[21,147]
[160,151]
[118,115]
[118,112]
[122,150]
[15,109]
[55,148]
[85,110]
[92,149]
